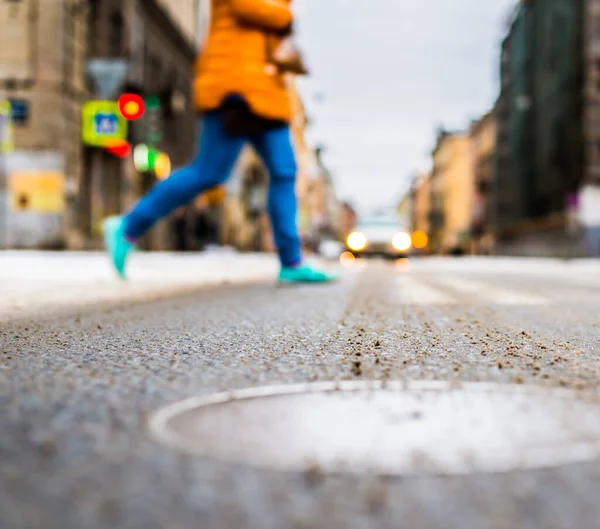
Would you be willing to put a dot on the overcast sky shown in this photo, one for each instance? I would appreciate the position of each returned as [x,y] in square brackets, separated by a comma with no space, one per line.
[391,71]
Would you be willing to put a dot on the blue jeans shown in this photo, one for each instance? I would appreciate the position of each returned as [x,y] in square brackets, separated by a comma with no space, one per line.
[217,154]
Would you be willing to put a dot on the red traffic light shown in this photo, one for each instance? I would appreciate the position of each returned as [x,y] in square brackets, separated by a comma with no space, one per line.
[122,150]
[131,106]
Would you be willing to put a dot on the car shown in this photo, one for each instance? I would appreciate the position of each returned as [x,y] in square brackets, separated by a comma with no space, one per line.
[379,236]
[330,249]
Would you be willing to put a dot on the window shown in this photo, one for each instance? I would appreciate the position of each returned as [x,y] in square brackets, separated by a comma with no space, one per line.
[156,73]
[115,35]
[92,34]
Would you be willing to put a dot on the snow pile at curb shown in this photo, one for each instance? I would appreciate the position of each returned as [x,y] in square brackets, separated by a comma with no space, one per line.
[30,281]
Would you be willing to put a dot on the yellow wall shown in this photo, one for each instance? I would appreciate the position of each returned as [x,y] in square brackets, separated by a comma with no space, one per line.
[422,203]
[454,162]
[486,136]
[303,156]
[37,191]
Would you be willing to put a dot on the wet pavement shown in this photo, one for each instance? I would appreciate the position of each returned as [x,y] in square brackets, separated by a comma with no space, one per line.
[77,391]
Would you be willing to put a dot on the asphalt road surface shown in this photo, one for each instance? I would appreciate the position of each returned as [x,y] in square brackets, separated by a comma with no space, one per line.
[77,388]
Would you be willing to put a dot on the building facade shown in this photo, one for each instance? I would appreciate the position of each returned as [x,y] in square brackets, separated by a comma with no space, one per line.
[504,185]
[48,86]
[187,15]
[348,217]
[591,108]
[452,191]
[159,60]
[483,147]
[539,115]
[306,161]
[244,216]
[406,210]
[422,203]
[330,207]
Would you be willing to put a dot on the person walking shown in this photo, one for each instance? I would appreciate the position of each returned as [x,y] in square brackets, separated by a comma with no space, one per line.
[589,215]
[241,96]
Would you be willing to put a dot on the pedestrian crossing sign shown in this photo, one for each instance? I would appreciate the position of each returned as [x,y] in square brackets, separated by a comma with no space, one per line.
[7,138]
[105,124]
[102,124]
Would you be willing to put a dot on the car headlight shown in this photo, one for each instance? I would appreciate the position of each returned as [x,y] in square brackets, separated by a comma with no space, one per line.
[356,241]
[402,242]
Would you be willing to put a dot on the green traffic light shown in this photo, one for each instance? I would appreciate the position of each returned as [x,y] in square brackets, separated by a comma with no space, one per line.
[145,158]
[141,158]
[152,156]
[153,102]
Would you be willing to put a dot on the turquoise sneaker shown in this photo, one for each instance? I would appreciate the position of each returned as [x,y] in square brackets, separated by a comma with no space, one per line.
[115,243]
[305,274]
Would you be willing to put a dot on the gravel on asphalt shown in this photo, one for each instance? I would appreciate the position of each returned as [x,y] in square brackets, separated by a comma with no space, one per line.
[76,390]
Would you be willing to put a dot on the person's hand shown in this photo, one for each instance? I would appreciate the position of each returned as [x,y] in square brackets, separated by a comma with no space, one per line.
[288,59]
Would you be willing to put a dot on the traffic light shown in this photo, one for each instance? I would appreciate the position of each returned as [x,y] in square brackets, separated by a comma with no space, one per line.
[153,120]
[162,166]
[143,158]
[131,106]
[120,149]
[153,102]
[147,159]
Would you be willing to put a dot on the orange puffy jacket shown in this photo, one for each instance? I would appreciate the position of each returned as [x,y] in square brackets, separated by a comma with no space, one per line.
[235,57]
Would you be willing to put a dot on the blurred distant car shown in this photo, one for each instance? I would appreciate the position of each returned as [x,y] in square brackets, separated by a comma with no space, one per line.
[378,236]
[330,249]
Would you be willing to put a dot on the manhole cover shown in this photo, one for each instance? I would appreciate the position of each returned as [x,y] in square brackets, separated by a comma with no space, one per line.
[399,428]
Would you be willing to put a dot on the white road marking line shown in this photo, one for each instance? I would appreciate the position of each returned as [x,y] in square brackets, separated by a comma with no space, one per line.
[582,280]
[497,295]
[414,292]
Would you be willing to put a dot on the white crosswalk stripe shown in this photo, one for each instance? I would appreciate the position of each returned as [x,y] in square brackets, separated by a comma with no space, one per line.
[414,292]
[452,290]
[489,292]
